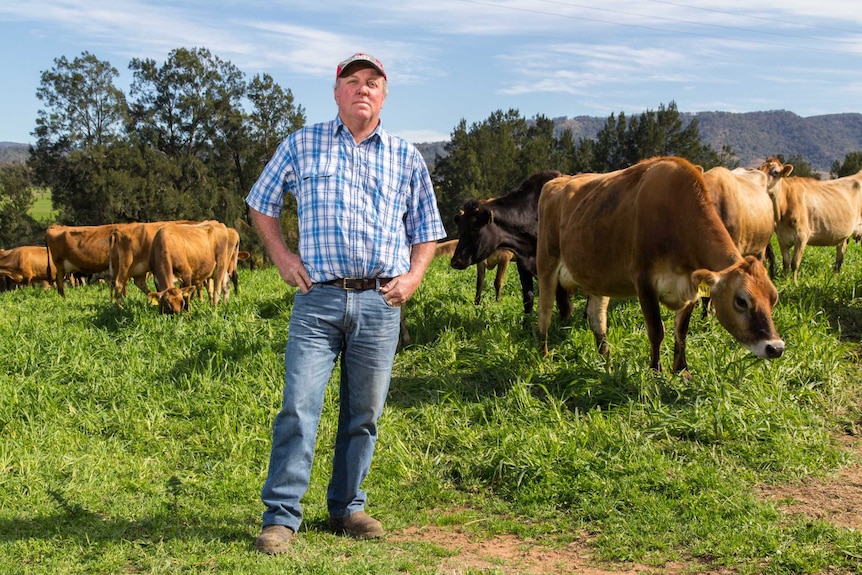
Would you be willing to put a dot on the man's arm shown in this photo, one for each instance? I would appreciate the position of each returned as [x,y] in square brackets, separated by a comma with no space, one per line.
[289,264]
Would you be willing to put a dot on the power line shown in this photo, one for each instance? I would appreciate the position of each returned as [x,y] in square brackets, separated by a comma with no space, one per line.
[764,18]
[659,29]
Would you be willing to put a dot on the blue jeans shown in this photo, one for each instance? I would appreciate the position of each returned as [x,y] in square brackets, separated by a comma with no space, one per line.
[328,322]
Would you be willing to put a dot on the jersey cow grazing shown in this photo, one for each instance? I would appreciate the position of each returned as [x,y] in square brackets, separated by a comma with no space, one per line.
[744,205]
[129,256]
[192,253]
[509,222]
[650,231]
[83,249]
[814,212]
[25,264]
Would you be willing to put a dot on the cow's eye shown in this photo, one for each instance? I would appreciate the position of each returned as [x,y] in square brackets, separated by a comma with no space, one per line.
[740,303]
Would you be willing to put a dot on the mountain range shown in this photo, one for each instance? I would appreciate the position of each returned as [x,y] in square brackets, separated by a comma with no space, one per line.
[752,136]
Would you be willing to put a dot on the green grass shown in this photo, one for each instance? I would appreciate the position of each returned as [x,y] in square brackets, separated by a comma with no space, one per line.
[136,443]
[42,209]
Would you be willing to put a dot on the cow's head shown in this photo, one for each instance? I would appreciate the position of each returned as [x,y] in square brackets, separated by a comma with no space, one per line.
[476,236]
[774,168]
[743,297]
[172,300]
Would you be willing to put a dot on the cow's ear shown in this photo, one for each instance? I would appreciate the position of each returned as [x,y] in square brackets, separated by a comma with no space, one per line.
[486,217]
[153,297]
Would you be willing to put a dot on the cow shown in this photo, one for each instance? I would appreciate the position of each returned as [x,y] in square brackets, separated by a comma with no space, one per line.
[812,212]
[234,256]
[192,253]
[129,256]
[25,264]
[173,300]
[742,199]
[84,249]
[499,259]
[651,231]
[509,222]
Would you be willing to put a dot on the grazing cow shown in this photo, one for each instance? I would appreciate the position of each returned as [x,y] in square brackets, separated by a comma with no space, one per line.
[192,253]
[173,300]
[129,249]
[812,212]
[509,222]
[25,264]
[499,259]
[84,249]
[742,199]
[650,230]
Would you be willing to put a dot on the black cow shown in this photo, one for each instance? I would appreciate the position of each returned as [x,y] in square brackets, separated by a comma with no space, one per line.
[510,222]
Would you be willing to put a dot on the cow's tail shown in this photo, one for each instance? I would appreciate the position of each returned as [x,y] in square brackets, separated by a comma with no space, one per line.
[51,279]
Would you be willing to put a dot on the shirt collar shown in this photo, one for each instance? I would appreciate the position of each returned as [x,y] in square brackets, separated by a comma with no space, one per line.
[376,134]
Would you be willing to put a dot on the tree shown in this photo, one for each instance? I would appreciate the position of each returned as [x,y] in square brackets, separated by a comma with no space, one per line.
[84,108]
[852,165]
[17,227]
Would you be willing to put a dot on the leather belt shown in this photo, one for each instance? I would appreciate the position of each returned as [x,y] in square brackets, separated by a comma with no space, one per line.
[358,283]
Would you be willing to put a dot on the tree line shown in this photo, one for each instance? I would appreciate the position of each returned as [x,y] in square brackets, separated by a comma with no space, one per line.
[194,132]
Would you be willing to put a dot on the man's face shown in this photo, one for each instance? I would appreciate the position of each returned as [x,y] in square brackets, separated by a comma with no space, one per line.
[360,94]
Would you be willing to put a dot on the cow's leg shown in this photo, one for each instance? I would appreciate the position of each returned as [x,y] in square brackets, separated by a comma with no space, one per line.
[680,331]
[564,302]
[840,250]
[60,279]
[785,256]
[796,261]
[597,312]
[654,325]
[500,278]
[527,288]
[480,281]
[548,277]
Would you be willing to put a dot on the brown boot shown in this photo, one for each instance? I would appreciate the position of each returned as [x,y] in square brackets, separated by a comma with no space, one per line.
[359,525]
[274,539]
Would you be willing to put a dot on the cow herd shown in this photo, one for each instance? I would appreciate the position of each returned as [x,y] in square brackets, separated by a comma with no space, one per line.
[197,255]
[667,232]
[663,230]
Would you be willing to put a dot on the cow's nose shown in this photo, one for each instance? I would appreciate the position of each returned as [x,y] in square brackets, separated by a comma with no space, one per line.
[775,349]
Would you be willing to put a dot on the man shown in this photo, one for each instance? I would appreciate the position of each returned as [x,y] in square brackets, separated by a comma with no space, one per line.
[368,227]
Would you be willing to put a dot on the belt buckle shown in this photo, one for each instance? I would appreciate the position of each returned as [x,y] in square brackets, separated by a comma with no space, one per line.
[345,285]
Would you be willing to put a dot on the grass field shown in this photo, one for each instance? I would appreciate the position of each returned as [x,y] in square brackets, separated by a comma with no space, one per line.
[136,443]
[42,209]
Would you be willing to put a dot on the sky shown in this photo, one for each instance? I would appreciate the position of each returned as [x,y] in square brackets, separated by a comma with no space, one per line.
[454,60]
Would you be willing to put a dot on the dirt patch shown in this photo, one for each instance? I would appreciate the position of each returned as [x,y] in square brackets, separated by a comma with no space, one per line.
[836,499]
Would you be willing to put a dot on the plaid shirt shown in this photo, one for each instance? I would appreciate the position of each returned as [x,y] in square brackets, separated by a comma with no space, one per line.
[360,206]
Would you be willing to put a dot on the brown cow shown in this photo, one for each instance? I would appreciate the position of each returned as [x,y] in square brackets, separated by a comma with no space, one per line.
[173,300]
[814,213]
[129,256]
[84,249]
[234,256]
[25,264]
[192,253]
[499,259]
[650,230]
[742,199]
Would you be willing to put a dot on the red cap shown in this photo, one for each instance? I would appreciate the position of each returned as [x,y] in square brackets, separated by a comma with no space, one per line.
[360,57]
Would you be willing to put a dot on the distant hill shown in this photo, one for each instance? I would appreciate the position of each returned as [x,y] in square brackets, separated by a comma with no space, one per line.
[11,152]
[753,136]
